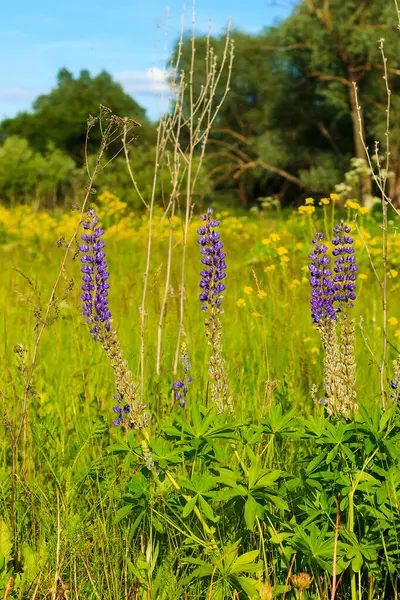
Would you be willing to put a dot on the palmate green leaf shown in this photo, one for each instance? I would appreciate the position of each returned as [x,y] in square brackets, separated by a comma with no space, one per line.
[251,511]
[201,484]
[123,512]
[267,480]
[165,453]
[245,563]
[315,462]
[5,541]
[30,562]
[248,585]
[357,562]
[278,422]
[133,528]
[204,571]
[206,508]
[332,454]
[189,507]
[227,477]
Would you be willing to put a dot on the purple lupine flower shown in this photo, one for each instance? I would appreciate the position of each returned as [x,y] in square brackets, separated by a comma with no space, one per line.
[395,382]
[213,259]
[95,287]
[182,387]
[321,282]
[345,265]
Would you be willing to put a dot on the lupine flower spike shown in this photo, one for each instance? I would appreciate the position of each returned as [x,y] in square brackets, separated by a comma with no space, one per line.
[181,387]
[395,382]
[211,295]
[130,410]
[331,296]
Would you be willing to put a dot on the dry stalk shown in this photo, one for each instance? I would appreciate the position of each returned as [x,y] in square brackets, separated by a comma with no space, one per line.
[380,176]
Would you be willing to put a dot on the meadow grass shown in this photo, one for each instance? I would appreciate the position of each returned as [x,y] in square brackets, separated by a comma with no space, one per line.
[68,542]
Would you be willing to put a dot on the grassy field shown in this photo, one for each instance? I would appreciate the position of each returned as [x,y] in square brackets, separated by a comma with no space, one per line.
[93,517]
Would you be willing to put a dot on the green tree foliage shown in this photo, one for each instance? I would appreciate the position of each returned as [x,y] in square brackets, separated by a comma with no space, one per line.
[26,174]
[289,126]
[60,117]
[290,123]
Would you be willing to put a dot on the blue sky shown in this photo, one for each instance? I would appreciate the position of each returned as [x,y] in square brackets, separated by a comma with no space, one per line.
[124,37]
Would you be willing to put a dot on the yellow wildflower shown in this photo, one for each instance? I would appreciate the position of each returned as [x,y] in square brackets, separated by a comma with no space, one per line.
[309,201]
[314,350]
[282,250]
[307,339]
[335,197]
[275,237]
[393,273]
[241,303]
[363,210]
[352,204]
[397,333]
[306,210]
[305,268]
[295,282]
[284,260]
[248,290]
[393,321]
[261,293]
[324,201]
[299,245]
[363,276]
[269,268]
[266,241]
[256,314]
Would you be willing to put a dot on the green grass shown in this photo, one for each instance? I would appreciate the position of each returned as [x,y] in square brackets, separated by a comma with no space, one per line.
[71,487]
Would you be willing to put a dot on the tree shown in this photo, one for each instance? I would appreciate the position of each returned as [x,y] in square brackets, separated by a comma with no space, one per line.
[335,43]
[60,117]
[26,174]
[290,122]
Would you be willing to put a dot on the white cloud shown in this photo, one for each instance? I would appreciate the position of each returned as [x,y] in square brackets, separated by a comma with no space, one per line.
[15,94]
[149,82]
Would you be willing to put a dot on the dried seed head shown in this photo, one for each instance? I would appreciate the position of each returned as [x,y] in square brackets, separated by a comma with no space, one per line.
[301,581]
[266,592]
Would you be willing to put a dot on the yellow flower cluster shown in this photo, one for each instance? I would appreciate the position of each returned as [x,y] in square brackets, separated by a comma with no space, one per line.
[353,205]
[306,210]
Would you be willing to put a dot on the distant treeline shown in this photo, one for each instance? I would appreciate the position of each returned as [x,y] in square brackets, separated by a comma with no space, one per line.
[288,127]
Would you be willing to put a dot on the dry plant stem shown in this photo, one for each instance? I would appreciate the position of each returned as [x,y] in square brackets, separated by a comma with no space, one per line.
[148,260]
[380,179]
[398,11]
[205,112]
[369,160]
[288,576]
[176,184]
[188,193]
[384,228]
[128,164]
[219,561]
[366,342]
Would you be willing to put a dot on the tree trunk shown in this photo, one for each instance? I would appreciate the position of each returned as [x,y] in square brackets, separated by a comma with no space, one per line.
[242,194]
